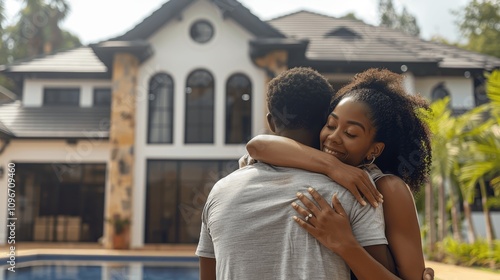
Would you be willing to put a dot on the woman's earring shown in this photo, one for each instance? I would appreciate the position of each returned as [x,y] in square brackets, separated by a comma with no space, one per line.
[373,159]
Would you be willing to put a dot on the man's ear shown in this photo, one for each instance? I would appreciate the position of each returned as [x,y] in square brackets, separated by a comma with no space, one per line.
[375,151]
[270,122]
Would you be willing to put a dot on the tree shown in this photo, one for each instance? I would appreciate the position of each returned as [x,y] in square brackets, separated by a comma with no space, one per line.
[37,29]
[483,154]
[444,157]
[350,15]
[404,22]
[3,46]
[479,22]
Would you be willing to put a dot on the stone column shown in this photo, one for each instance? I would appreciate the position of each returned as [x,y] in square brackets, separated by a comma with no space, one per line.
[121,138]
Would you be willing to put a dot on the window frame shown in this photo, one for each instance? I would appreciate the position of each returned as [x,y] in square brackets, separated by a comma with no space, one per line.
[250,100]
[169,110]
[94,92]
[187,110]
[60,91]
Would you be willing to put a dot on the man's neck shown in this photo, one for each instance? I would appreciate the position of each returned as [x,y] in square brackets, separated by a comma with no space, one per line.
[301,136]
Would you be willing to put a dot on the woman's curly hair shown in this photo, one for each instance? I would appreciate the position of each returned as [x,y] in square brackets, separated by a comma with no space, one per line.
[398,118]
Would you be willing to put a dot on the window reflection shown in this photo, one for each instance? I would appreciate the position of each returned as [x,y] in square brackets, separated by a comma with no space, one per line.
[176,194]
[199,124]
[161,109]
[238,109]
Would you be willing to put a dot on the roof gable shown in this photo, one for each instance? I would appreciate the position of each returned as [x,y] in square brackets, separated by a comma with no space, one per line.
[173,9]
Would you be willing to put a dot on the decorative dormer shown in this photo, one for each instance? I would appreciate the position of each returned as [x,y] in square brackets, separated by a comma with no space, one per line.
[344,33]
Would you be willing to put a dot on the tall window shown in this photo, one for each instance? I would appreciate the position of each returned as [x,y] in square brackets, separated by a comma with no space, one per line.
[61,96]
[60,202]
[102,97]
[161,109]
[176,192]
[238,109]
[199,107]
[439,92]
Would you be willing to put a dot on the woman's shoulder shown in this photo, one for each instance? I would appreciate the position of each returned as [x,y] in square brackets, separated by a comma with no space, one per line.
[394,189]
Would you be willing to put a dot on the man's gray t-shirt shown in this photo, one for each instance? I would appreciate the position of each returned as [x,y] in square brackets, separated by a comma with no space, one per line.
[247,226]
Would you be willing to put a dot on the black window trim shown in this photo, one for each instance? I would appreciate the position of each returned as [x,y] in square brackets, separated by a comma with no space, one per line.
[172,115]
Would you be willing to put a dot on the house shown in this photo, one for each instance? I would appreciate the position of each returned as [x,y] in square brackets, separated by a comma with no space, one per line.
[142,125]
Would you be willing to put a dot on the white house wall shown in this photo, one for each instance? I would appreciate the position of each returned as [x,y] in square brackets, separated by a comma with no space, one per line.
[33,90]
[461,89]
[57,152]
[176,54]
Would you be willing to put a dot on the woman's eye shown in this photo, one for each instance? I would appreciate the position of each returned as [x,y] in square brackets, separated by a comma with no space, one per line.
[350,135]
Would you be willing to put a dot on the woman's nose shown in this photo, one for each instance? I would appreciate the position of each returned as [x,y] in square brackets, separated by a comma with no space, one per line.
[335,137]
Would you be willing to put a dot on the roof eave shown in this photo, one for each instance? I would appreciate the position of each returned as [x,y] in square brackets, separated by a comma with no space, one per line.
[105,51]
[62,136]
[59,75]
[296,48]
[346,66]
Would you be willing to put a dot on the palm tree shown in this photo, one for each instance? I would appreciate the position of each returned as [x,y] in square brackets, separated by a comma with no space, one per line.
[483,150]
[449,135]
[444,157]
[484,165]
[58,10]
[37,30]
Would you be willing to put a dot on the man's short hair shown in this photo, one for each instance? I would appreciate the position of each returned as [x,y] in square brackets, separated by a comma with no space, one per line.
[299,98]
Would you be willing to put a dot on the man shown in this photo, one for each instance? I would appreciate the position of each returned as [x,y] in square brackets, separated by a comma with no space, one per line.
[247,231]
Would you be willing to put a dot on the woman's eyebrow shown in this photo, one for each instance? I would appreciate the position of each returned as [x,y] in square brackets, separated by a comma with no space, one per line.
[349,122]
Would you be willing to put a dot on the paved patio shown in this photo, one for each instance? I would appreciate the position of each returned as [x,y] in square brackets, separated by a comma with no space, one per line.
[443,271]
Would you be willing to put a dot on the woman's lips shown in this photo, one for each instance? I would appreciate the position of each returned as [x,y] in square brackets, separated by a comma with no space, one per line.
[333,152]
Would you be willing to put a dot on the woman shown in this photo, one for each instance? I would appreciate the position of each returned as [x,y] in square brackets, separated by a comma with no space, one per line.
[373,121]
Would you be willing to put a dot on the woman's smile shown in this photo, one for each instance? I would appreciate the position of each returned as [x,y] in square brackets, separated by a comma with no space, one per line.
[335,153]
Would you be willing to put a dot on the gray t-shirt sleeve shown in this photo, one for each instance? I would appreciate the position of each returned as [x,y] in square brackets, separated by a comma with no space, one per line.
[368,225]
[205,244]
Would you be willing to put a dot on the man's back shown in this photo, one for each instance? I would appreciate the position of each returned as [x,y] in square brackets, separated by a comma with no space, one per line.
[248,226]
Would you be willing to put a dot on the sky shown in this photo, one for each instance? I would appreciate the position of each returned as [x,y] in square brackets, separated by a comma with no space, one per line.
[96,20]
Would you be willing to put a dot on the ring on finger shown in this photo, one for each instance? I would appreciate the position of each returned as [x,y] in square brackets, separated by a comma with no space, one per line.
[309,216]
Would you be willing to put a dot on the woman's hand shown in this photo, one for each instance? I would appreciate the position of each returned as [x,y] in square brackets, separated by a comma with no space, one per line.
[330,226]
[246,160]
[428,274]
[357,181]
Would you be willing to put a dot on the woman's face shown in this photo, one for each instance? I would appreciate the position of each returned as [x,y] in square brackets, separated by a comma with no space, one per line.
[349,133]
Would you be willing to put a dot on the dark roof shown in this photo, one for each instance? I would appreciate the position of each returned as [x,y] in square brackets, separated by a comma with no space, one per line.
[82,61]
[295,48]
[4,130]
[173,8]
[106,50]
[54,122]
[336,39]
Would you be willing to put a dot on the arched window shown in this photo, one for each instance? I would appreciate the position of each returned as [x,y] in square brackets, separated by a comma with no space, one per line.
[199,107]
[439,92]
[161,109]
[238,109]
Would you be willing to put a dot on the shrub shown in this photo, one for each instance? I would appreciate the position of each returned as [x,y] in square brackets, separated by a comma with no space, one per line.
[470,254]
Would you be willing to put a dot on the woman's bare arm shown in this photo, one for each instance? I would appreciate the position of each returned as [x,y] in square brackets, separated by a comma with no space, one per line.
[401,227]
[282,151]
[332,229]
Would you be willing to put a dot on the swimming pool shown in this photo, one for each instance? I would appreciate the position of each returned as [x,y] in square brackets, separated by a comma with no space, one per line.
[57,267]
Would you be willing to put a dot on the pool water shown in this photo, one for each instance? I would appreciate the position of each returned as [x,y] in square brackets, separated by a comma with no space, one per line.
[132,269]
